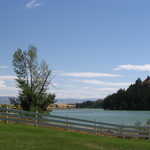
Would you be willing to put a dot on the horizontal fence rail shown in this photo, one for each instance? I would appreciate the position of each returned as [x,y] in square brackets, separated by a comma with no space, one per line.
[98,128]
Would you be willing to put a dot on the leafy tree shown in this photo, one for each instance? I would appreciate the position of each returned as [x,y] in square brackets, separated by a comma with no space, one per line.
[33,80]
[135,97]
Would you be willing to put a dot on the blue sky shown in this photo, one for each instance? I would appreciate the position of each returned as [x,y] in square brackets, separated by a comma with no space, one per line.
[94,47]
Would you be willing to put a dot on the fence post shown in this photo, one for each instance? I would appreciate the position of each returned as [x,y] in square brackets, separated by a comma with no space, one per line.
[120,131]
[148,132]
[66,123]
[6,114]
[36,118]
[95,127]
[18,116]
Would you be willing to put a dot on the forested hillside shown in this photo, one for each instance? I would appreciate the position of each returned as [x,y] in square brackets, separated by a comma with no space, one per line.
[135,97]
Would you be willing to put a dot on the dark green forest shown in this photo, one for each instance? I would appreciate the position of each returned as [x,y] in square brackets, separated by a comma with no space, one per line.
[135,97]
[90,104]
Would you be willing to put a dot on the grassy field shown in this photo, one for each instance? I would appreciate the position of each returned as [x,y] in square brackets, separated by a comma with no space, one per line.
[21,137]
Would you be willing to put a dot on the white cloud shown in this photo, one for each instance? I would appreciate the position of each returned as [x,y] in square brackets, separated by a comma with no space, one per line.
[145,67]
[5,89]
[33,4]
[84,93]
[3,80]
[7,78]
[90,88]
[89,74]
[98,82]
[2,84]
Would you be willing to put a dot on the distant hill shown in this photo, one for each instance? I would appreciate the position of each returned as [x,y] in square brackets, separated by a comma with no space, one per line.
[90,104]
[135,97]
[72,101]
[5,100]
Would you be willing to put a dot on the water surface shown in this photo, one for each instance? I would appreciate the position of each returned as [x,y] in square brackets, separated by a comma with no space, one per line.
[117,117]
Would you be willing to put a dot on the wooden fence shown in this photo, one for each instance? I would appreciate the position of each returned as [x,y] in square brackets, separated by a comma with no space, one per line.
[98,128]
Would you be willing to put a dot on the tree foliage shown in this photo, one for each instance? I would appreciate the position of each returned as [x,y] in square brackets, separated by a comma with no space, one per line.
[135,97]
[90,104]
[33,80]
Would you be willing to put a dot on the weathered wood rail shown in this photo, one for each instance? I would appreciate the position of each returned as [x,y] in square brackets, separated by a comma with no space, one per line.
[98,128]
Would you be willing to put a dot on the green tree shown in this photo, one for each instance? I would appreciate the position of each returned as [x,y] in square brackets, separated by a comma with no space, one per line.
[135,97]
[33,80]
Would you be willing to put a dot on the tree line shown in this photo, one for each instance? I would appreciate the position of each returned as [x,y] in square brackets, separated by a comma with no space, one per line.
[90,104]
[135,97]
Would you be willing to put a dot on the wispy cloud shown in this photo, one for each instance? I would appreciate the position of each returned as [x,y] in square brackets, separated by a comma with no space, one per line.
[84,93]
[98,82]
[32,4]
[85,85]
[7,89]
[2,84]
[3,80]
[7,78]
[89,74]
[145,67]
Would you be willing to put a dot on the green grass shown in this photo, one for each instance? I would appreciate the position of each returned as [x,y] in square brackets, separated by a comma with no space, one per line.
[21,137]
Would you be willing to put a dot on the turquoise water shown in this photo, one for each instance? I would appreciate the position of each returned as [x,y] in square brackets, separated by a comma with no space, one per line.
[117,117]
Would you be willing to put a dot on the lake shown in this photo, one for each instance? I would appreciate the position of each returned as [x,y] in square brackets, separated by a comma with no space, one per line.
[117,117]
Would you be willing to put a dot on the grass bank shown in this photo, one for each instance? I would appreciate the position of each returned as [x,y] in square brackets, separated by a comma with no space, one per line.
[21,137]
